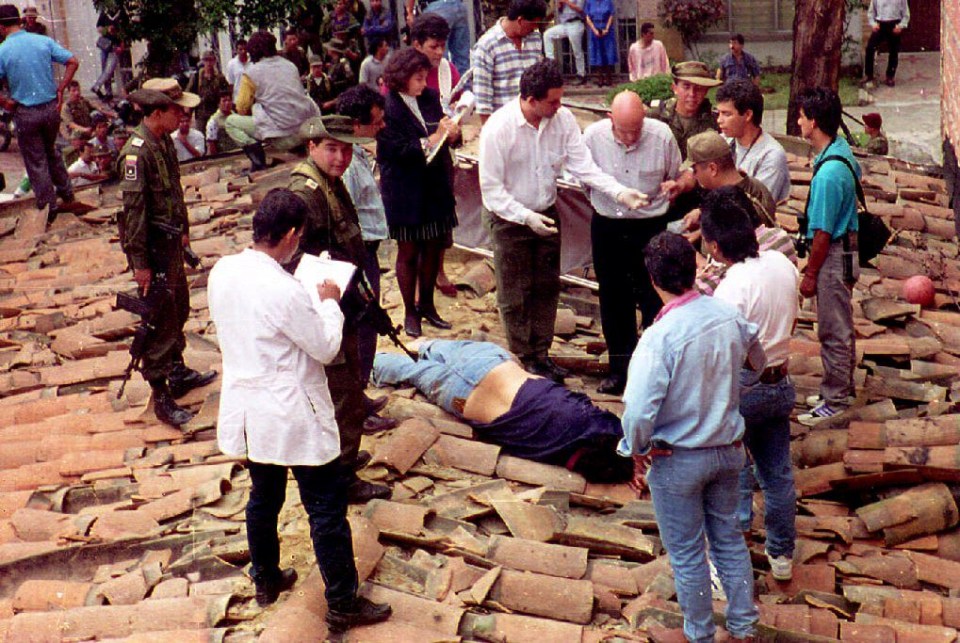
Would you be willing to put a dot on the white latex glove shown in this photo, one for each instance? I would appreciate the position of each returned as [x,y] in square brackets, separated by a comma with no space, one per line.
[633,199]
[542,225]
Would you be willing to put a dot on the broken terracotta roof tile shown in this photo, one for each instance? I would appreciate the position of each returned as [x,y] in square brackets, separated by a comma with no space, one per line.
[47,595]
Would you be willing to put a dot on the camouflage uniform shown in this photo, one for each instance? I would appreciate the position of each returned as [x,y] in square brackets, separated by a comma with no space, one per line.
[878,144]
[703,121]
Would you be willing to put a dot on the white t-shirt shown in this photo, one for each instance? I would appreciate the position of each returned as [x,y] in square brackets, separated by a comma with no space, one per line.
[80,167]
[764,290]
[766,161]
[195,139]
[235,69]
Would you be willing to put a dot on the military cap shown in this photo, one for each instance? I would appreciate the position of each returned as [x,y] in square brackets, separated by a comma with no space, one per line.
[338,128]
[314,59]
[171,88]
[873,119]
[150,98]
[704,147]
[696,72]
[9,14]
[335,45]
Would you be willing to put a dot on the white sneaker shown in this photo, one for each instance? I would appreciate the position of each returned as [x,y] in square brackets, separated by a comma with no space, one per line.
[818,414]
[715,585]
[781,567]
[813,400]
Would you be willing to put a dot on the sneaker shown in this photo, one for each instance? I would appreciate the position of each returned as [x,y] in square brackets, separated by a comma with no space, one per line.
[716,586]
[813,400]
[362,612]
[818,414]
[781,567]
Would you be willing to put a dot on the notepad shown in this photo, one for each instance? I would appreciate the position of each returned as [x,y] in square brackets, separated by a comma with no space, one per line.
[313,270]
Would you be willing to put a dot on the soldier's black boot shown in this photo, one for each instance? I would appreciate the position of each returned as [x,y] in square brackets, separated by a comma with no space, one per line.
[183,379]
[258,158]
[165,407]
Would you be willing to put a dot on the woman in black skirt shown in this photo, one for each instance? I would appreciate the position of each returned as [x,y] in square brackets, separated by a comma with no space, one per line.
[418,197]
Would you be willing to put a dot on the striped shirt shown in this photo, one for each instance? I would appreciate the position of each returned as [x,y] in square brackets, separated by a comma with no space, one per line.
[498,64]
[709,277]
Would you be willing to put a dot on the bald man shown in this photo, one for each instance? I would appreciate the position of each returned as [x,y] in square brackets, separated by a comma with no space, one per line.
[641,153]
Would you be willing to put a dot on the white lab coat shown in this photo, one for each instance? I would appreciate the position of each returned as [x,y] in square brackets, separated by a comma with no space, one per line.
[275,406]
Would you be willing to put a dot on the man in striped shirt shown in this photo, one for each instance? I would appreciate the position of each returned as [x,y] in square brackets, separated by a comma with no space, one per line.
[503,53]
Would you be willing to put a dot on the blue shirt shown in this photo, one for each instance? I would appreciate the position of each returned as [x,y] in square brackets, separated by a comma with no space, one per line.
[832,204]
[683,383]
[746,68]
[25,61]
[365,193]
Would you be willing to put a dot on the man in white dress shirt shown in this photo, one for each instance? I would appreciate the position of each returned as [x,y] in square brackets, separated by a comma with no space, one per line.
[756,153]
[524,147]
[276,409]
[641,153]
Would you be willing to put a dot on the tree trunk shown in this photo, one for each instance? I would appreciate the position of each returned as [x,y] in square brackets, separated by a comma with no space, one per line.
[817,44]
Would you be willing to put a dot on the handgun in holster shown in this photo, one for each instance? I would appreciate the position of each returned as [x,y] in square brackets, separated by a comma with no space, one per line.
[174,236]
[146,308]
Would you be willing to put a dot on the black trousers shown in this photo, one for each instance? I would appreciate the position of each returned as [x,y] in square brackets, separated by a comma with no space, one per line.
[885,33]
[624,282]
[323,491]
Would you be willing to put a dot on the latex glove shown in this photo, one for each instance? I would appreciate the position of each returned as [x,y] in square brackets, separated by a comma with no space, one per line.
[542,225]
[633,199]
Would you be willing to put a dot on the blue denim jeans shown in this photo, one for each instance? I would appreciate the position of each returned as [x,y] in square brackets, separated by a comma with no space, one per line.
[323,491]
[695,493]
[448,370]
[766,413]
[458,42]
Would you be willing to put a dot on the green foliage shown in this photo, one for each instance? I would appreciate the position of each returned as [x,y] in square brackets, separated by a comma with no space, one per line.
[649,89]
[691,17]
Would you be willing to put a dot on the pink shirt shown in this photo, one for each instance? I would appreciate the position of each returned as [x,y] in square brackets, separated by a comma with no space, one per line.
[649,61]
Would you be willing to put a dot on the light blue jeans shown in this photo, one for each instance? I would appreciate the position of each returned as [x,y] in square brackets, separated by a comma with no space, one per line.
[458,42]
[448,370]
[695,493]
[572,31]
[766,413]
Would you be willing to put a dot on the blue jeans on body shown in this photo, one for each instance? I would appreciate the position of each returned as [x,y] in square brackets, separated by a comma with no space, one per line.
[458,42]
[766,413]
[448,370]
[323,491]
[695,493]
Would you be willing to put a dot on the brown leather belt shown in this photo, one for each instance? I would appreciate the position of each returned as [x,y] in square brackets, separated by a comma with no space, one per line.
[774,374]
[662,451]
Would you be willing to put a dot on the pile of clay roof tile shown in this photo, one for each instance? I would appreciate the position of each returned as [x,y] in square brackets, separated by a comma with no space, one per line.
[116,527]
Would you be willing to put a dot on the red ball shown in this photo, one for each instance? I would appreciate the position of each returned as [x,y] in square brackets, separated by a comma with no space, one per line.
[919,290]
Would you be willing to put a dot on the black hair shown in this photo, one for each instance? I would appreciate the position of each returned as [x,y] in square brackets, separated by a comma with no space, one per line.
[375,43]
[73,83]
[280,211]
[262,44]
[822,106]
[402,66]
[646,27]
[358,103]
[725,219]
[538,79]
[429,25]
[738,37]
[241,41]
[600,463]
[671,262]
[527,9]
[744,95]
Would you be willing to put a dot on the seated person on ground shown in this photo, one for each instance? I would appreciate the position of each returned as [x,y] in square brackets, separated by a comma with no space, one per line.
[85,170]
[528,416]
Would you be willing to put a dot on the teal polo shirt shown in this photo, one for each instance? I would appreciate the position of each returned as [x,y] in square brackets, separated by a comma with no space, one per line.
[832,204]
[25,61]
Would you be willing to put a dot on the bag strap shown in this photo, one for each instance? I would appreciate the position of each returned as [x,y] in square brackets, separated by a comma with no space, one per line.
[856,181]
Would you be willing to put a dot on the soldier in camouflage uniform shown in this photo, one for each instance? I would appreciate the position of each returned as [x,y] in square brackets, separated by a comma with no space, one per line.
[333,225]
[872,124]
[153,235]
[688,113]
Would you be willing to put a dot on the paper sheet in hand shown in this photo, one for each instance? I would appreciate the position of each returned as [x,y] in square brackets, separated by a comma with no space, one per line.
[313,270]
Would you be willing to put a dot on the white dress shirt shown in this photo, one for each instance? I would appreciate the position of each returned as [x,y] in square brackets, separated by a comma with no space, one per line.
[275,407]
[520,163]
[653,159]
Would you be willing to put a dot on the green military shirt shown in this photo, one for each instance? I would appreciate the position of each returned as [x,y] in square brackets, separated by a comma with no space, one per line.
[332,221]
[684,128]
[150,184]
[878,145]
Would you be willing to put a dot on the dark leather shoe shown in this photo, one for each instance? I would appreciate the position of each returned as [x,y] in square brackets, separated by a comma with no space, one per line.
[268,590]
[890,82]
[363,459]
[183,380]
[434,319]
[556,371]
[362,491]
[612,385]
[361,612]
[375,405]
[166,408]
[377,424]
[411,325]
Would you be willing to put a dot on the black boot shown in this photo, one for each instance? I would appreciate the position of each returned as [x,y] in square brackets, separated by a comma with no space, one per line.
[268,589]
[183,380]
[258,158]
[166,408]
[360,612]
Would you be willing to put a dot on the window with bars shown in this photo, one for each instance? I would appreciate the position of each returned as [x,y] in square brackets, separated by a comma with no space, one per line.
[756,16]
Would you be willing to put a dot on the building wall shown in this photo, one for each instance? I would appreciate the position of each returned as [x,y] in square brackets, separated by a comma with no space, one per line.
[950,70]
